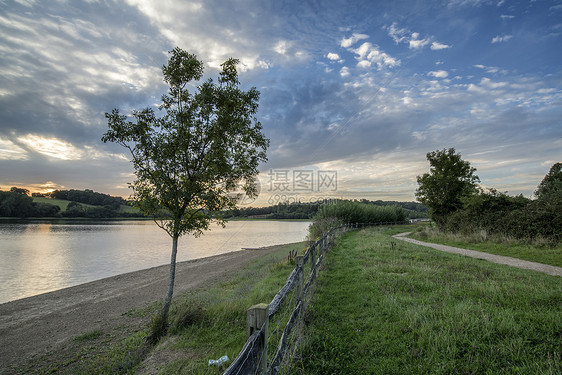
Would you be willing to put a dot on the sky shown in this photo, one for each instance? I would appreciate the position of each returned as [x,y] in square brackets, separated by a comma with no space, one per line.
[354,94]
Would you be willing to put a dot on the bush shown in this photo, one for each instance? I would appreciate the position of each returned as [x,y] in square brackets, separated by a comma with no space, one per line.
[500,215]
[355,212]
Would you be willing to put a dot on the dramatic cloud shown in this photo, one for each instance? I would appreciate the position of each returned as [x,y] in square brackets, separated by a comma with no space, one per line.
[366,90]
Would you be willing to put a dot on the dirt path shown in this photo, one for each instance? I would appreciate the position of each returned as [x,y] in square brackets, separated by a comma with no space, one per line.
[33,328]
[514,262]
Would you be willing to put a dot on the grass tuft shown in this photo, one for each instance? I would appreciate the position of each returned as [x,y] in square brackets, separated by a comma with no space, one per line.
[89,336]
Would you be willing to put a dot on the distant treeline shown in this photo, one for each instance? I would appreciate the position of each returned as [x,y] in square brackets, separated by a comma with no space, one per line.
[90,204]
[89,197]
[309,210]
[18,203]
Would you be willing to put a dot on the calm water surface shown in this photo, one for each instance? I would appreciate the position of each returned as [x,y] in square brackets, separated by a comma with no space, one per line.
[41,257]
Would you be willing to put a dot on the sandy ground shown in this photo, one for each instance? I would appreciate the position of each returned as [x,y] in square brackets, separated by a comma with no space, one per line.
[34,328]
[514,262]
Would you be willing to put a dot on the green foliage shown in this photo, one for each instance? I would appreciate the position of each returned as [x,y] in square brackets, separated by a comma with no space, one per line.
[18,190]
[296,210]
[499,215]
[188,160]
[355,212]
[321,225]
[88,336]
[550,187]
[291,258]
[16,203]
[89,197]
[450,179]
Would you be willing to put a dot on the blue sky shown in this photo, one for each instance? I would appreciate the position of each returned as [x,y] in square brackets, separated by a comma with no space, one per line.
[358,90]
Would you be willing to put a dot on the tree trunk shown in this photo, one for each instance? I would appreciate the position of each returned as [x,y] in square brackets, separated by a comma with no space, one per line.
[168,300]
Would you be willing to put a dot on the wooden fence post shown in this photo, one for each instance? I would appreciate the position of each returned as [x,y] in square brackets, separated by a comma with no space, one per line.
[299,288]
[313,258]
[257,317]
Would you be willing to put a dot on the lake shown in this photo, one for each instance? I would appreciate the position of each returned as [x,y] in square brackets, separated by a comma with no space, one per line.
[39,257]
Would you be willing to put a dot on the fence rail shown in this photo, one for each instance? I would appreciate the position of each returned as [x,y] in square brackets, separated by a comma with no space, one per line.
[253,358]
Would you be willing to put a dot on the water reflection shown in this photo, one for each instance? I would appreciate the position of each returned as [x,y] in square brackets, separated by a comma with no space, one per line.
[40,257]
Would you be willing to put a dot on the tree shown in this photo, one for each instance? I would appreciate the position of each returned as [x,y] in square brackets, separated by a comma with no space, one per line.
[188,161]
[551,185]
[18,190]
[450,179]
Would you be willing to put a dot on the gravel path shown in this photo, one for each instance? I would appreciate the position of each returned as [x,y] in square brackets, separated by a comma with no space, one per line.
[37,328]
[514,262]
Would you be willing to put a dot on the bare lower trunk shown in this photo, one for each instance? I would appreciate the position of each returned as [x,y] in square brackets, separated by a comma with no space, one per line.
[168,300]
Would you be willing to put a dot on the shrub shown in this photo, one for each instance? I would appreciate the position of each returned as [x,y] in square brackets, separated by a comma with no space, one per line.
[355,212]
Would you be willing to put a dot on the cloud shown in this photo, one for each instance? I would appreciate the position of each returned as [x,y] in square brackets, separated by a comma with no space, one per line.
[369,54]
[51,147]
[416,43]
[488,69]
[11,151]
[397,34]
[354,38]
[334,57]
[501,39]
[62,67]
[507,17]
[438,74]
[404,35]
[439,46]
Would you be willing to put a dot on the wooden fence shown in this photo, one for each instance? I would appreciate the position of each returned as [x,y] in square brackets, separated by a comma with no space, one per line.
[254,357]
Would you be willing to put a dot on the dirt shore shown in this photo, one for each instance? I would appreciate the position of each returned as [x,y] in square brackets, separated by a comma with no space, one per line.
[32,329]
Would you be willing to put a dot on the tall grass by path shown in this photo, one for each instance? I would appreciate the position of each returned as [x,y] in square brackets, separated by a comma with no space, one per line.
[533,251]
[387,307]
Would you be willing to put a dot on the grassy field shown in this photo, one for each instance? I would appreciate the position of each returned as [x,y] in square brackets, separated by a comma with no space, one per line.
[63,204]
[389,307]
[534,252]
[57,202]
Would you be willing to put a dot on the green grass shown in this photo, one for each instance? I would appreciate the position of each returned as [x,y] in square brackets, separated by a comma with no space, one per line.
[210,323]
[88,336]
[388,307]
[507,247]
[57,202]
[63,204]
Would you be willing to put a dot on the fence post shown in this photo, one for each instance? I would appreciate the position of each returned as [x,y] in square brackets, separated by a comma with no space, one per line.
[300,280]
[257,317]
[312,258]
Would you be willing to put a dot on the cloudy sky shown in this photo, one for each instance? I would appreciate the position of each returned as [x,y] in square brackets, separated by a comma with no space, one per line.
[353,93]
